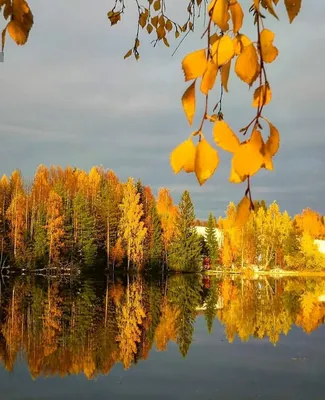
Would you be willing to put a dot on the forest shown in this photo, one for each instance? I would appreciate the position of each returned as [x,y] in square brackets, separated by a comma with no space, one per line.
[66,219]
[87,326]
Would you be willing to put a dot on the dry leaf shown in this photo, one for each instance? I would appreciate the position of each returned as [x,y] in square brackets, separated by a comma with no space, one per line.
[293,8]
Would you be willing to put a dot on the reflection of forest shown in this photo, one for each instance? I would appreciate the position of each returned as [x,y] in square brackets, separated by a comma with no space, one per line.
[88,326]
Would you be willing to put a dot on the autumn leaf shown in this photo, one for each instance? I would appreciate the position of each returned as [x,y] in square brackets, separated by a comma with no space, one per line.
[269,52]
[223,50]
[225,70]
[234,177]
[183,157]
[114,17]
[194,64]
[243,212]
[206,161]
[17,32]
[269,5]
[240,42]
[189,102]
[248,158]
[209,77]
[273,142]
[247,67]
[128,54]
[224,137]
[237,15]
[293,8]
[220,13]
[262,95]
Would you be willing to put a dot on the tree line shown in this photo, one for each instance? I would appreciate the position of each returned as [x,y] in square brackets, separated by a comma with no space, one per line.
[64,218]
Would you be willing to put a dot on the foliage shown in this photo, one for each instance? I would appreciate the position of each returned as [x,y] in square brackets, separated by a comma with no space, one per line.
[212,241]
[185,250]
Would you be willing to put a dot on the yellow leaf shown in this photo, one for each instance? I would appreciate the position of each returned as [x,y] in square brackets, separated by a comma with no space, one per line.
[243,212]
[269,52]
[248,159]
[262,95]
[149,28]
[234,177]
[223,50]
[143,19]
[225,70]
[209,77]
[189,102]
[213,38]
[273,142]
[114,17]
[269,5]
[220,13]
[17,32]
[169,25]
[257,4]
[154,21]
[183,157]
[224,137]
[194,64]
[156,5]
[237,15]
[293,8]
[165,42]
[22,14]
[161,32]
[240,42]
[128,54]
[206,161]
[247,66]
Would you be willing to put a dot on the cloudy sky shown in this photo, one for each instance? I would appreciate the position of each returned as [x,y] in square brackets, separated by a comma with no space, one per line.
[68,97]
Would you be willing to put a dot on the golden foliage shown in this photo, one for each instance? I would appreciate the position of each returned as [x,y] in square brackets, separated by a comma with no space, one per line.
[224,137]
[237,15]
[293,8]
[183,157]
[268,51]
[188,101]
[194,64]
[206,161]
[247,66]
[262,95]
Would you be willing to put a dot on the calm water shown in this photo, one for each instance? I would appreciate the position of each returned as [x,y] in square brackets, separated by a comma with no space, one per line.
[187,337]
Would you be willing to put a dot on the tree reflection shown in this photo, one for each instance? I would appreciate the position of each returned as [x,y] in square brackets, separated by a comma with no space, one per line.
[87,326]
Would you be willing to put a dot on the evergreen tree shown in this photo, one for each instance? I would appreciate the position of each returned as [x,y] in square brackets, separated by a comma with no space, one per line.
[212,241]
[185,252]
[84,225]
[40,237]
[156,245]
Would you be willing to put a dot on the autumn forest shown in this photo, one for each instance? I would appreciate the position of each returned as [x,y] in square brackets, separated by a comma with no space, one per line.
[68,219]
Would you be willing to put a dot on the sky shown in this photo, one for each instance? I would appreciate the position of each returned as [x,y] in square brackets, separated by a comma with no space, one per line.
[69,98]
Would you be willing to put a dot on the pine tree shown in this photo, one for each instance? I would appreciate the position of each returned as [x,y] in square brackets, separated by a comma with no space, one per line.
[157,244]
[185,252]
[84,226]
[212,241]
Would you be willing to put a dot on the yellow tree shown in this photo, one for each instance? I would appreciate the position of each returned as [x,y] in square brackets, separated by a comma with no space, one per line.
[131,228]
[310,222]
[55,226]
[168,213]
[16,216]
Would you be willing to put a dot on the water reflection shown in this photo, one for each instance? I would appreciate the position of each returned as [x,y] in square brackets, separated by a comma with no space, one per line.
[87,326]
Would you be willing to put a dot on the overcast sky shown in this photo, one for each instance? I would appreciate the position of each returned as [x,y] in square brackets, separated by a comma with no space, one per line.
[68,97]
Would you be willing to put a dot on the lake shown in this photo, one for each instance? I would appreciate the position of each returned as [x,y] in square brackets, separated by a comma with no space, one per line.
[144,337]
